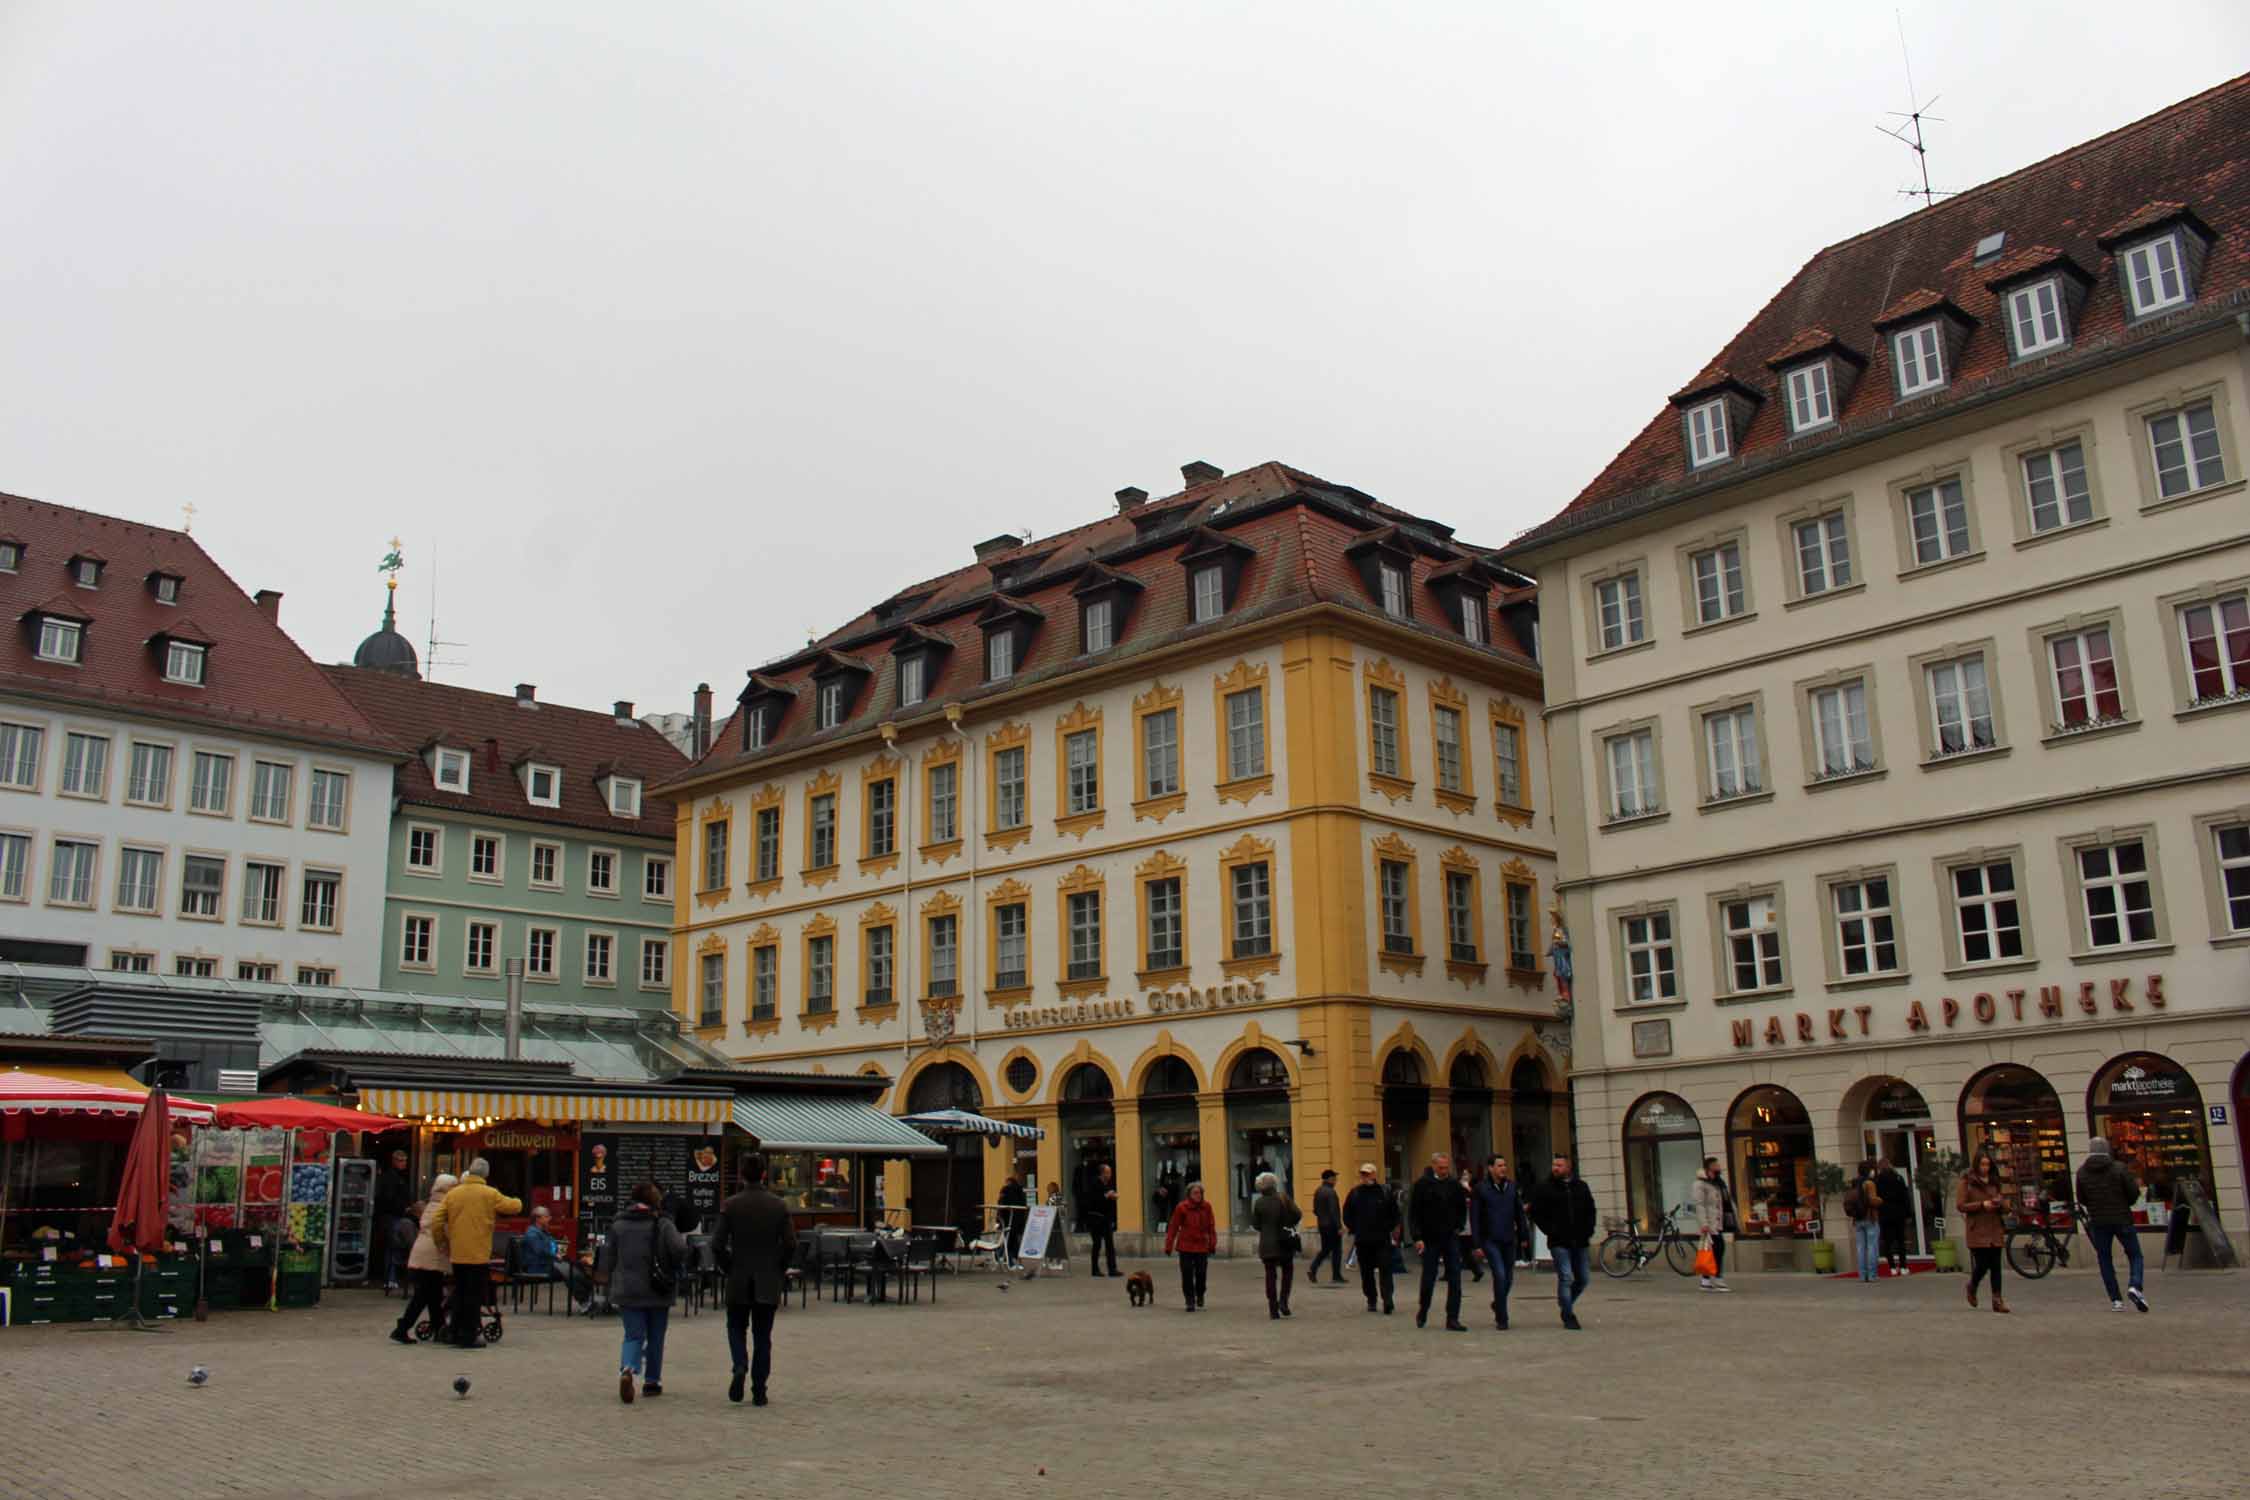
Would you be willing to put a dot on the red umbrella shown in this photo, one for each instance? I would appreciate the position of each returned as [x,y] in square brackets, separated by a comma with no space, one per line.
[139,1225]
[304,1112]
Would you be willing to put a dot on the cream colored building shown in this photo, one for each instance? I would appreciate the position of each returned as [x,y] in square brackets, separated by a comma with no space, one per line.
[1895,678]
[1180,835]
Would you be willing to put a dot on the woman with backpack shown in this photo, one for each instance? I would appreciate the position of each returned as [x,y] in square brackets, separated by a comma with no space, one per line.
[1863,1203]
[640,1265]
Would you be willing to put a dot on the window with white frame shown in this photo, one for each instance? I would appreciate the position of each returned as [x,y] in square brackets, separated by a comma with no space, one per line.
[2231,844]
[2153,278]
[85,767]
[913,673]
[1522,906]
[1707,433]
[261,893]
[1618,604]
[624,797]
[1252,902]
[252,971]
[1394,589]
[1987,919]
[203,880]
[1632,774]
[1866,927]
[1397,910]
[1919,354]
[754,729]
[1209,586]
[416,940]
[1445,732]
[315,976]
[542,785]
[2084,676]
[1165,946]
[167,589]
[1717,574]
[1960,706]
[1752,934]
[19,756]
[269,792]
[2216,636]
[1824,554]
[601,872]
[190,966]
[828,705]
[546,864]
[60,640]
[882,818]
[2184,446]
[422,849]
[1009,802]
[1000,655]
[1082,782]
[1083,912]
[1651,972]
[2035,314]
[1507,757]
[140,875]
[1810,405]
[881,967]
[149,775]
[128,961]
[2054,483]
[1382,726]
[484,856]
[2114,884]
[600,952]
[1100,625]
[330,802]
[1010,956]
[713,1007]
[715,853]
[183,663]
[765,848]
[1730,740]
[945,804]
[656,963]
[87,571]
[321,900]
[1842,743]
[539,953]
[15,866]
[1246,733]
[1461,917]
[765,981]
[1472,619]
[945,956]
[1160,753]
[211,783]
[452,774]
[477,957]
[1938,518]
[70,879]
[11,556]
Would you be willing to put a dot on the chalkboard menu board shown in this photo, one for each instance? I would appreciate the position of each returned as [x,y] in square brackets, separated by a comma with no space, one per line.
[611,1165]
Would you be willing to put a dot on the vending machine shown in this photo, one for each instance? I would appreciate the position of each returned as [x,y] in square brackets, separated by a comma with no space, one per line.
[351,1221]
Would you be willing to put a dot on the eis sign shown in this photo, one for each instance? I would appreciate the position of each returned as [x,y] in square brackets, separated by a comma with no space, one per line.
[2052,1002]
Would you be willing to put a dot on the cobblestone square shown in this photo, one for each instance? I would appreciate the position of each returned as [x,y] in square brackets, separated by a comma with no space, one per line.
[1792,1386]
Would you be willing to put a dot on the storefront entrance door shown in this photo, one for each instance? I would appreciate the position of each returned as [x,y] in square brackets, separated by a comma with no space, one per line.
[1902,1148]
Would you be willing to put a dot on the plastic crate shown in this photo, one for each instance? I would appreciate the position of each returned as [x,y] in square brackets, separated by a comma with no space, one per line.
[299,1288]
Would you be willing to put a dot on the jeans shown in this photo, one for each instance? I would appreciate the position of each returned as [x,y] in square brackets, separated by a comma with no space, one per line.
[1104,1237]
[1571,1268]
[644,1341]
[1442,1253]
[1332,1251]
[1195,1275]
[1281,1269]
[470,1278]
[1501,1259]
[1374,1263]
[1868,1233]
[1719,1254]
[1984,1260]
[2105,1235]
[754,1319]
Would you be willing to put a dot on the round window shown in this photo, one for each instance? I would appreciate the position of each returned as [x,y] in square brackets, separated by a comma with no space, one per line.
[1022,1074]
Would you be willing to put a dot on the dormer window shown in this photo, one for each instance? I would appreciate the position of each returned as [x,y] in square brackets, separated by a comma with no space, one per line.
[1000,656]
[1007,625]
[542,785]
[919,654]
[1099,624]
[1472,619]
[11,557]
[837,680]
[183,663]
[1918,353]
[1811,402]
[624,796]
[2153,278]
[1393,579]
[2035,317]
[1214,572]
[61,640]
[86,571]
[1105,598]
[913,680]
[1210,592]
[829,706]
[1707,434]
[754,728]
[450,770]
[165,586]
[763,705]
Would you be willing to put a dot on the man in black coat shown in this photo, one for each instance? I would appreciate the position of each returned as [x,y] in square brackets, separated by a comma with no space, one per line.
[393,1192]
[754,1242]
[1371,1218]
[1099,1214]
[1434,1211]
[1897,1206]
[1563,1208]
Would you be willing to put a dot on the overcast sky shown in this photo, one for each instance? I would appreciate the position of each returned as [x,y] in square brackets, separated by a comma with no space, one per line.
[666,333]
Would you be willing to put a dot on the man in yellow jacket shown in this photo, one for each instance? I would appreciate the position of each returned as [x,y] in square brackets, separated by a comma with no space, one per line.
[464,1224]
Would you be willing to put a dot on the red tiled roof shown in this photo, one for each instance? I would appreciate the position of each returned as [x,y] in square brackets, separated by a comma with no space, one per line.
[2194,156]
[1297,525]
[502,736]
[257,682]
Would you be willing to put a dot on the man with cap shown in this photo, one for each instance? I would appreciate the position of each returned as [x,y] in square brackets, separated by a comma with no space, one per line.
[1328,1215]
[1371,1215]
[2107,1191]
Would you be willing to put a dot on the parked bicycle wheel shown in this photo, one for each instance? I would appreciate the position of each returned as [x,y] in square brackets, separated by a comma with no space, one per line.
[1619,1255]
[2031,1253]
[1679,1254]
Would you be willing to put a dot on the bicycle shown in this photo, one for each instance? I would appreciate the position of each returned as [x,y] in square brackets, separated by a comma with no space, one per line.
[1626,1250]
[2034,1249]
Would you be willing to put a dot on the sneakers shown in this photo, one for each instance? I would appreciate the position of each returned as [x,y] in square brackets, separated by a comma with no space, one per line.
[1720,1286]
[1703,1283]
[2139,1299]
[625,1386]
[653,1388]
[2117,1307]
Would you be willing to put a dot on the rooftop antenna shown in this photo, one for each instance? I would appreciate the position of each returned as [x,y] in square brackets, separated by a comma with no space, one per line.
[1910,134]
[431,661]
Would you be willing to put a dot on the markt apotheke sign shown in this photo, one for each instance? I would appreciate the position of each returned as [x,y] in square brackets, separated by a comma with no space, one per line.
[1984,1010]
[1180,999]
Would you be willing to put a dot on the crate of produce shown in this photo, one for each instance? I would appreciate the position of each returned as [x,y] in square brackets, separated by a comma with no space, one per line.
[299,1288]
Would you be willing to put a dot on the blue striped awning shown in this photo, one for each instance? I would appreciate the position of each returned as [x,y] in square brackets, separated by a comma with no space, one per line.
[836,1127]
[962,1122]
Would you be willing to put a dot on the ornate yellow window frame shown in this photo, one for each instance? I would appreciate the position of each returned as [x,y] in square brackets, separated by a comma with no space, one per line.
[1007,737]
[826,784]
[1446,698]
[1009,892]
[1161,865]
[1391,849]
[754,1024]
[881,771]
[1244,678]
[1250,850]
[1085,880]
[714,812]
[1157,699]
[714,943]
[945,752]
[1080,720]
[1506,712]
[767,799]
[820,926]
[1515,875]
[943,904]
[877,916]
[1457,861]
[1381,676]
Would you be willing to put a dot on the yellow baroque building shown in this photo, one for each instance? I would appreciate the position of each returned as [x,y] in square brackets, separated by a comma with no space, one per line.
[1212,837]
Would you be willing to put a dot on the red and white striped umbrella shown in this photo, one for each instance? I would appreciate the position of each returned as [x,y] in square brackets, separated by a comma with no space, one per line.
[37,1093]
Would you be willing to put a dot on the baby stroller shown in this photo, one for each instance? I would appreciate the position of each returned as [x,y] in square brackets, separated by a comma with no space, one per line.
[491,1325]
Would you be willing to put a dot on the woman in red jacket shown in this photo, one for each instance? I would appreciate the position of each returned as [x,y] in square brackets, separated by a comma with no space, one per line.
[1194,1234]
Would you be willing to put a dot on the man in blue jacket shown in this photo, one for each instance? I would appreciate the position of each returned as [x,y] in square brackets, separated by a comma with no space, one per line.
[1496,1219]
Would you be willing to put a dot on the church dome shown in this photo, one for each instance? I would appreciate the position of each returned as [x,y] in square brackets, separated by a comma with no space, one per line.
[388,651]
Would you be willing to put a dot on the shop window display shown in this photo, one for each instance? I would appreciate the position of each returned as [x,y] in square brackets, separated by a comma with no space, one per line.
[1406,1109]
[1257,1126]
[1770,1141]
[1089,1131]
[1534,1111]
[1663,1154]
[2013,1112]
[1472,1109]
[1171,1137]
[2152,1113]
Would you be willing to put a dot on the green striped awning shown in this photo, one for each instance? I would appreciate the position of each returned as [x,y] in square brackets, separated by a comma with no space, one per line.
[808,1122]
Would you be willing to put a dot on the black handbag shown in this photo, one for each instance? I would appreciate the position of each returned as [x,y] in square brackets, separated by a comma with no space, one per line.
[663,1275]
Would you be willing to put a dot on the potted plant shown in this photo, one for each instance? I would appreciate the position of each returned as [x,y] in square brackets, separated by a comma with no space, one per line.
[1829,1182]
[1936,1173]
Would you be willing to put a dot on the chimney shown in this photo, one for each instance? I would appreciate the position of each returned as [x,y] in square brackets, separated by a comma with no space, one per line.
[527,695]
[1200,472]
[269,604]
[993,546]
[1130,499]
[699,733]
[623,709]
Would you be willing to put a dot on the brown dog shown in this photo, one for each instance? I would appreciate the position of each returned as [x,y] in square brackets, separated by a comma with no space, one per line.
[1140,1289]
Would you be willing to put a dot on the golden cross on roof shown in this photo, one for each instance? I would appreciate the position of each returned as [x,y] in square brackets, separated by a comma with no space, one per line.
[187,516]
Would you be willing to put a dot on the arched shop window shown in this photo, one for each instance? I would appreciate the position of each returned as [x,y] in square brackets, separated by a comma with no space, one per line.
[1406,1109]
[2152,1113]
[1089,1132]
[1086,1084]
[1472,1109]
[1533,1112]
[945,1086]
[1663,1153]
[1257,1126]
[1770,1145]
[2012,1112]
[1171,1137]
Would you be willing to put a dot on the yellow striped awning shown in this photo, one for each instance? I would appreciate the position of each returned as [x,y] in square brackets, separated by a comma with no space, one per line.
[478,1104]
